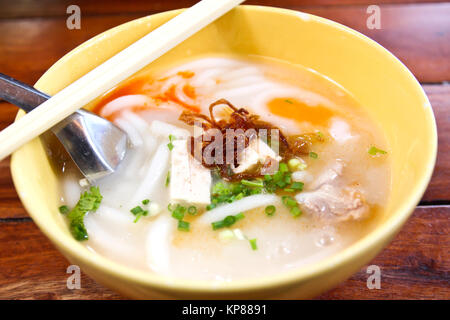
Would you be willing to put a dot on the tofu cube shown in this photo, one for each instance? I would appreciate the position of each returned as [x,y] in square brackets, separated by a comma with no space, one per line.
[190,182]
[257,152]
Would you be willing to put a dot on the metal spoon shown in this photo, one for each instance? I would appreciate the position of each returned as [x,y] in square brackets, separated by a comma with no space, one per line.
[96,145]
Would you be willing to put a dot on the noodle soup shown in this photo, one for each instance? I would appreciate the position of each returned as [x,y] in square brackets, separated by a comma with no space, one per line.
[307,182]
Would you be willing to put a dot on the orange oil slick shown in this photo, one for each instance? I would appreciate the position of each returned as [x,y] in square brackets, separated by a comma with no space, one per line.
[150,87]
[299,111]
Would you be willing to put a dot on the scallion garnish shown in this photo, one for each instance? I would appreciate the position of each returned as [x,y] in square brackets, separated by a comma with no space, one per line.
[270,210]
[167,178]
[136,210]
[254,183]
[227,221]
[253,244]
[192,210]
[283,167]
[170,144]
[313,155]
[295,211]
[145,201]
[373,151]
[183,225]
[178,212]
[89,201]
[297,186]
[64,209]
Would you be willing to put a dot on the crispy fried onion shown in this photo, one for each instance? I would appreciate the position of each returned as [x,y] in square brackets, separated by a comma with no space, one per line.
[236,131]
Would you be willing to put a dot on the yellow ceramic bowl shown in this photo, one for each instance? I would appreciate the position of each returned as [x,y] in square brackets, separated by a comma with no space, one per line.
[380,82]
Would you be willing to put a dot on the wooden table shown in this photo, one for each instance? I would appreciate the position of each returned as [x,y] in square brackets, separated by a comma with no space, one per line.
[416,265]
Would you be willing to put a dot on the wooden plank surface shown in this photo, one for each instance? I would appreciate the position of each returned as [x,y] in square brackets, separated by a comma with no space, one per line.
[411,266]
[418,34]
[415,265]
[52,8]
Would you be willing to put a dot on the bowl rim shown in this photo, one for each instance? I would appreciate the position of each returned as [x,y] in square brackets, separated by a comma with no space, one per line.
[370,242]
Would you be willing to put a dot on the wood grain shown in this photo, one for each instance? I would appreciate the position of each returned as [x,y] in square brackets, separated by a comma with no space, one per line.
[419,35]
[415,265]
[52,8]
[438,190]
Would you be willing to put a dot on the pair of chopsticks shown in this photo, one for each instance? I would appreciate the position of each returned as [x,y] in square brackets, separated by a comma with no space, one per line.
[111,72]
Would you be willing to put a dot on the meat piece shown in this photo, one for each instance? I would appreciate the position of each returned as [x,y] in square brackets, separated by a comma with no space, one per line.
[332,202]
[256,152]
[190,182]
[329,175]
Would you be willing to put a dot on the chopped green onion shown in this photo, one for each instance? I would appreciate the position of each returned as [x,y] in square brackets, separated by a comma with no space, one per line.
[170,144]
[89,201]
[297,186]
[210,206]
[64,209]
[295,211]
[226,235]
[313,155]
[288,101]
[373,151]
[294,164]
[139,215]
[289,202]
[227,221]
[183,225]
[283,167]
[146,201]
[167,179]
[270,210]
[253,244]
[255,183]
[136,210]
[218,225]
[178,213]
[192,210]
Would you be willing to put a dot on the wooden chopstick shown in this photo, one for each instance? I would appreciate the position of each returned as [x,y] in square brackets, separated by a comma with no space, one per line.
[111,72]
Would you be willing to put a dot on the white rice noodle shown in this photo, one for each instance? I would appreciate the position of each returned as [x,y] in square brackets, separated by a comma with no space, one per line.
[340,131]
[241,82]
[163,129]
[114,218]
[200,65]
[133,134]
[207,78]
[244,91]
[182,96]
[71,191]
[173,81]
[247,203]
[124,102]
[155,172]
[158,244]
[143,129]
[117,244]
[241,73]
[302,176]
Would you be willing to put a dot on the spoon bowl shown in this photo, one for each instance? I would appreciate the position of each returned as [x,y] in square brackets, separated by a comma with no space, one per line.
[96,145]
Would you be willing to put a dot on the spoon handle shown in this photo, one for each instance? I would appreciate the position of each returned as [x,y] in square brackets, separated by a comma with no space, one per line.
[20,94]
